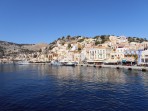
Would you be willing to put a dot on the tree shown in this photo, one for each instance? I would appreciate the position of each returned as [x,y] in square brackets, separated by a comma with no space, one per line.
[79,49]
[102,37]
[40,50]
[51,47]
[1,53]
[77,36]
[59,38]
[80,40]
[135,57]
[69,46]
[130,39]
[63,37]
[68,37]
[103,40]
[63,43]
[96,37]
[97,42]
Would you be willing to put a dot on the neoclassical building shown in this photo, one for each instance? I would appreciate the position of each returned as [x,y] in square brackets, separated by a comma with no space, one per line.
[98,55]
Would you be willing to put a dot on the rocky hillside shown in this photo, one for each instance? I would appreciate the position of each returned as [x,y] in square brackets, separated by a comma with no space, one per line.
[8,48]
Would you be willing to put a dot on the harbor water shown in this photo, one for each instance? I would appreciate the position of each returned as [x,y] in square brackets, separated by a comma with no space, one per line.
[67,88]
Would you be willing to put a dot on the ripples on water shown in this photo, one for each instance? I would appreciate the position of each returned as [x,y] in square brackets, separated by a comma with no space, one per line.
[53,88]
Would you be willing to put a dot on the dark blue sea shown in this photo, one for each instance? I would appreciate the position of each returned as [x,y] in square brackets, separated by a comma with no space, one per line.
[66,88]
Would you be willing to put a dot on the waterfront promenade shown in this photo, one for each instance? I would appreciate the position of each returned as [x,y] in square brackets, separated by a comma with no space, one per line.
[135,67]
[141,68]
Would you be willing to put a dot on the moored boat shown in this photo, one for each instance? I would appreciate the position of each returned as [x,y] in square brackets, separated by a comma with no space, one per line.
[56,63]
[22,62]
[70,64]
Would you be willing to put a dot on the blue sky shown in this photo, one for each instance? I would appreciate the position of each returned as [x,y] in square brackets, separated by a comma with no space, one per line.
[35,21]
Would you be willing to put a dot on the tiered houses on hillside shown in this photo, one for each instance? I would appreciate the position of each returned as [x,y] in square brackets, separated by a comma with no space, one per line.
[116,50]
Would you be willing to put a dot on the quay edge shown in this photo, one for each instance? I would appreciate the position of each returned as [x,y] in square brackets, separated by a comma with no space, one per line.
[140,68]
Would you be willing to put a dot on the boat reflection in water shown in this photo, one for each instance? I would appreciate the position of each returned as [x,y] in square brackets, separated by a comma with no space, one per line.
[61,63]
[70,63]
[56,63]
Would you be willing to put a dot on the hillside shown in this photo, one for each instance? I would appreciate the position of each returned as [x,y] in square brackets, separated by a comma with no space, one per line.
[10,48]
[100,39]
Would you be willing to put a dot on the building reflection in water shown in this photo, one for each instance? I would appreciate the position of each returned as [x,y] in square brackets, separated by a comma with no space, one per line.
[81,87]
[79,73]
[145,79]
[88,74]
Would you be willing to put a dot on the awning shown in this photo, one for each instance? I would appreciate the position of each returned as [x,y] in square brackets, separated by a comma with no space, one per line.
[123,60]
[128,59]
[94,61]
[111,61]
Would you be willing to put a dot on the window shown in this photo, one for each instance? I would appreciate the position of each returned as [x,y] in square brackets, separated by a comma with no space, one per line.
[146,60]
[98,51]
[100,56]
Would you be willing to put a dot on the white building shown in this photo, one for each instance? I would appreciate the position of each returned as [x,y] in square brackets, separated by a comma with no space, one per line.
[144,57]
[98,55]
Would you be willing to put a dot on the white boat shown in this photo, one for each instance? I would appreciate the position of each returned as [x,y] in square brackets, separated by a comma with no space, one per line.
[22,62]
[56,63]
[70,64]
